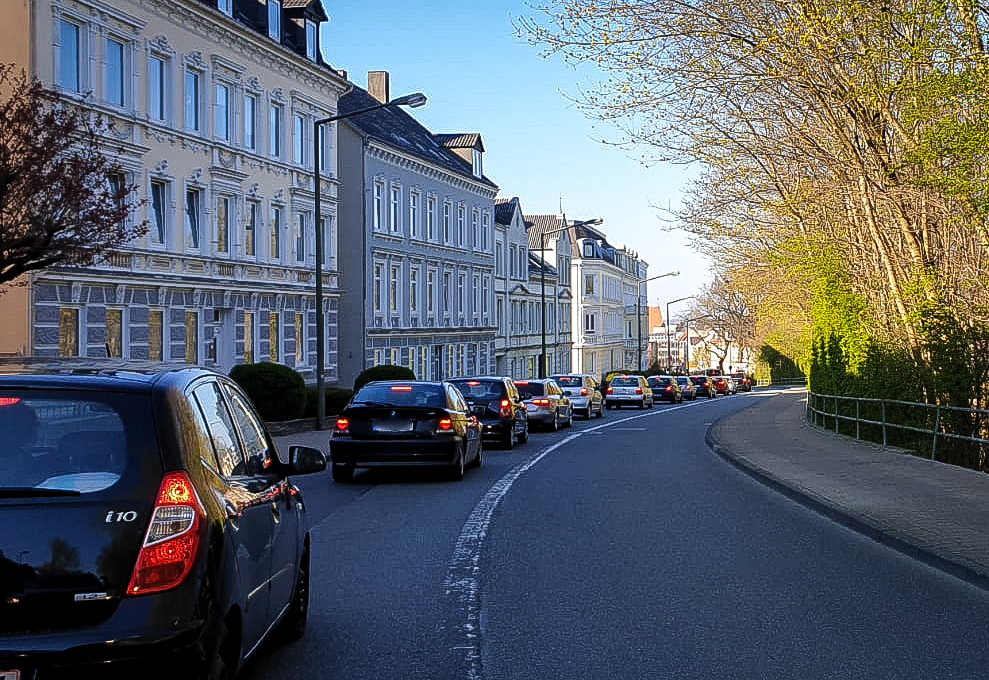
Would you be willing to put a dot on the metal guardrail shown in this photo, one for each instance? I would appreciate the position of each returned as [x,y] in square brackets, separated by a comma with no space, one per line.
[930,421]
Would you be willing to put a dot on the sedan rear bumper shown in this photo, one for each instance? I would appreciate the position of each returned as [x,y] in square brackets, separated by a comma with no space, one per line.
[382,453]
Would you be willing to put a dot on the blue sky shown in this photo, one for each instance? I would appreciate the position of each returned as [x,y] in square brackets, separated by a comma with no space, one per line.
[480,77]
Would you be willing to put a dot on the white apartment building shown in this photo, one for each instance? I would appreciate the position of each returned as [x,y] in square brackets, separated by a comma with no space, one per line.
[212,105]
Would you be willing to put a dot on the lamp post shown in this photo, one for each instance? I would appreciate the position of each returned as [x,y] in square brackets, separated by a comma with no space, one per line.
[542,279]
[669,351]
[638,310]
[411,100]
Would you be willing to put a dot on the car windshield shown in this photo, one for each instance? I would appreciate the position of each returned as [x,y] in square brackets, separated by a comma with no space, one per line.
[568,381]
[530,389]
[402,394]
[73,441]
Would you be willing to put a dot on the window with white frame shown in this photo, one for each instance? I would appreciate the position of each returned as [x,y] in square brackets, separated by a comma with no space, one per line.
[431,218]
[415,198]
[393,357]
[589,284]
[275,20]
[427,371]
[299,139]
[447,208]
[193,104]
[251,121]
[276,234]
[300,339]
[193,216]
[394,291]
[159,215]
[115,78]
[300,238]
[395,209]
[485,290]
[461,225]
[70,53]
[447,291]
[485,231]
[461,294]
[158,88]
[225,6]
[275,130]
[590,322]
[221,111]
[377,290]
[251,228]
[329,239]
[414,290]
[476,307]
[513,259]
[430,292]
[274,338]
[475,229]
[477,164]
[499,259]
[223,204]
[378,205]
[310,40]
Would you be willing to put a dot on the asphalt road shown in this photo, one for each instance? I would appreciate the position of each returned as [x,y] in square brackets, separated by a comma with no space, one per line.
[622,548]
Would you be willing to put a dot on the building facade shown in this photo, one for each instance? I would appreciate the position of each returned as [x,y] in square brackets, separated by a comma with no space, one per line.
[551,251]
[417,246]
[212,105]
[607,279]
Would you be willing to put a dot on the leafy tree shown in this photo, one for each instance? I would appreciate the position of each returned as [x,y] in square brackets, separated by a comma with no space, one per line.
[63,200]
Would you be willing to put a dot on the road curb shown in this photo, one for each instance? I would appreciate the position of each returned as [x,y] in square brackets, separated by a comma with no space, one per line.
[823,506]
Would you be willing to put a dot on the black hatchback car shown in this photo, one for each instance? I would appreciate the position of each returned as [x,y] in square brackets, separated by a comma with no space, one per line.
[149,526]
[496,402]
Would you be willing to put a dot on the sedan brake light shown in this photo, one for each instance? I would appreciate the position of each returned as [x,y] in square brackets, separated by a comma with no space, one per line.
[541,402]
[343,426]
[172,540]
[584,391]
[506,408]
[444,425]
[638,390]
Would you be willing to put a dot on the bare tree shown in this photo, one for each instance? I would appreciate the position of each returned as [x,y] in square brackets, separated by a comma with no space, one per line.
[63,200]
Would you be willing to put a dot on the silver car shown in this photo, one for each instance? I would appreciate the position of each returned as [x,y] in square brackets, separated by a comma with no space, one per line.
[546,403]
[629,390]
[583,391]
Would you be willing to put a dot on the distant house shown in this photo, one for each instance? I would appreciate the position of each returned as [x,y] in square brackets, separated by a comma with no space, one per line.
[417,244]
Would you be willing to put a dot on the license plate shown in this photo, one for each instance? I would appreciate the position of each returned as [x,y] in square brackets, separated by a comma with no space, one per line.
[10,675]
[388,426]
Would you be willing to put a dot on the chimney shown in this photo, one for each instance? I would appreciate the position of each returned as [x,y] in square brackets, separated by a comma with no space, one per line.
[377,85]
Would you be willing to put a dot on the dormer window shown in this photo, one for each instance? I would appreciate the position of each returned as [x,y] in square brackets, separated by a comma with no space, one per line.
[310,40]
[478,168]
[588,249]
[275,20]
[225,6]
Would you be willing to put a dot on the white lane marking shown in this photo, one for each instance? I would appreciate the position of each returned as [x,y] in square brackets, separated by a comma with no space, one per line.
[462,580]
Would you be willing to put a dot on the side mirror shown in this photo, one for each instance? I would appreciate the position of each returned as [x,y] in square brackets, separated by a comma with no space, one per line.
[304,460]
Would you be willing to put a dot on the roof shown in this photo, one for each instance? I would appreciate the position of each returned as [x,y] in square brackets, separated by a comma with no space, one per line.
[89,372]
[504,209]
[315,6]
[395,127]
[542,224]
[461,140]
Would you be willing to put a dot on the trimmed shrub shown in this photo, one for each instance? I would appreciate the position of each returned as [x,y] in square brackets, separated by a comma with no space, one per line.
[278,391]
[335,398]
[383,372]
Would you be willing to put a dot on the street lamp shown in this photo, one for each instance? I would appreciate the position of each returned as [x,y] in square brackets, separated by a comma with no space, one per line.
[542,278]
[413,100]
[669,351]
[638,309]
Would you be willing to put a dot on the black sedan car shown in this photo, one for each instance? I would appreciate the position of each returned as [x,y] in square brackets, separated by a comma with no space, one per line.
[399,423]
[666,388]
[149,525]
[687,388]
[496,402]
[704,386]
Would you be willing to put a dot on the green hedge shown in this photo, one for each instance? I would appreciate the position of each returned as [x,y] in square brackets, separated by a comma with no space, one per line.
[335,398]
[278,391]
[383,372]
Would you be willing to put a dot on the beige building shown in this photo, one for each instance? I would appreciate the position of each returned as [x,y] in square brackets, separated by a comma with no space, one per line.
[213,105]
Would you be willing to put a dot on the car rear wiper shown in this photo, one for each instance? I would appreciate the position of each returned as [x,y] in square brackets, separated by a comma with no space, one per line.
[374,403]
[34,492]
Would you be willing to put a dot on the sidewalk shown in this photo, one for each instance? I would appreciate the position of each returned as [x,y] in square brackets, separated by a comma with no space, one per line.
[934,512]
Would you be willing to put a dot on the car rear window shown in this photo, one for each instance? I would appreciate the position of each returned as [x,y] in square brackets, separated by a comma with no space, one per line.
[660,381]
[624,382]
[569,381]
[403,394]
[72,441]
[698,379]
[530,389]
[474,389]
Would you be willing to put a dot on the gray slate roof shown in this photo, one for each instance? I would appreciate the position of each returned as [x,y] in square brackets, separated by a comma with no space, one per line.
[463,140]
[395,127]
[504,209]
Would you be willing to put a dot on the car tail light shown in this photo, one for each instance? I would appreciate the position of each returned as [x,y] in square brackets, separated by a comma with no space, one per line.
[444,425]
[669,388]
[172,540]
[505,409]
[584,391]
[541,402]
[343,426]
[9,401]
[638,390]
[611,390]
